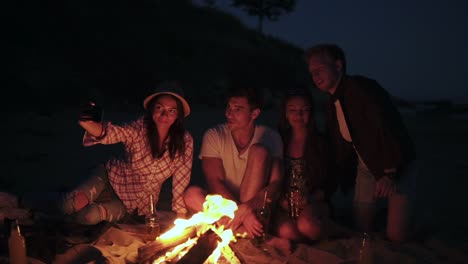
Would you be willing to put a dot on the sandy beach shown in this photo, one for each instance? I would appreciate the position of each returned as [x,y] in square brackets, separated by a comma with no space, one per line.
[44,153]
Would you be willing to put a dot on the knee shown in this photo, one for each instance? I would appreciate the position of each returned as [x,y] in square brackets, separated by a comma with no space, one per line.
[194,195]
[259,151]
[192,192]
[90,215]
[288,231]
[309,227]
[74,202]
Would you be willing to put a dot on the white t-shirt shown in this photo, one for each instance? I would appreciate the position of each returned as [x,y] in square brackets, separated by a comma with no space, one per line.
[347,136]
[218,143]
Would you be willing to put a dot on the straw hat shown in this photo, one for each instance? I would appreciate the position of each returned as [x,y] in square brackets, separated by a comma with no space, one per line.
[171,88]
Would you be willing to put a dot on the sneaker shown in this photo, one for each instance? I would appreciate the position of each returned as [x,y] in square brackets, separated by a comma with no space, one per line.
[8,200]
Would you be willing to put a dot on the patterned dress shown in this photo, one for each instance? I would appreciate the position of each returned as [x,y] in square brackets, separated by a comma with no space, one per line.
[297,185]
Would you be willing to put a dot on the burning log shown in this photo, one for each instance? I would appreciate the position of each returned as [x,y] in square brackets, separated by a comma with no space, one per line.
[200,252]
[208,246]
[230,256]
[148,251]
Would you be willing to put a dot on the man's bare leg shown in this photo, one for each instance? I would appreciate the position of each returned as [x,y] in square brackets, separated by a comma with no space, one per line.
[257,172]
[364,214]
[256,177]
[398,218]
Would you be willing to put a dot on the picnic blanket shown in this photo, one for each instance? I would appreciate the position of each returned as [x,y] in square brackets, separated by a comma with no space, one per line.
[120,243]
[120,246]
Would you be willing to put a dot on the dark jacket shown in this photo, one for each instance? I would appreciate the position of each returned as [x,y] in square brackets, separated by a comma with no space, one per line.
[318,167]
[376,128]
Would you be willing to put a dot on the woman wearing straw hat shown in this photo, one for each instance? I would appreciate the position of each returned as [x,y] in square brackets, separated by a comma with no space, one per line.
[157,147]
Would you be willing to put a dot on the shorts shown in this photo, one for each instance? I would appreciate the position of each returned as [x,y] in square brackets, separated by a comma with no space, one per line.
[365,184]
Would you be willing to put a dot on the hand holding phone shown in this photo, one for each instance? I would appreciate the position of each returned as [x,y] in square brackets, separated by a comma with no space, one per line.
[90,111]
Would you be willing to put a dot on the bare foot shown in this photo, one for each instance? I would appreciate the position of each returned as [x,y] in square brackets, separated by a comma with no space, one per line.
[281,244]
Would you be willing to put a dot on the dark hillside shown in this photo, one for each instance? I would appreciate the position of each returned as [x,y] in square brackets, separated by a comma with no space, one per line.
[117,51]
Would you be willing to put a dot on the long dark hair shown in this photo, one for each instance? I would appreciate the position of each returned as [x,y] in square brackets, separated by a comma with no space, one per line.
[316,154]
[176,131]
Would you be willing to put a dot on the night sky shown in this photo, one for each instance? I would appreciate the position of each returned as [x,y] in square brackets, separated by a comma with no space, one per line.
[417,49]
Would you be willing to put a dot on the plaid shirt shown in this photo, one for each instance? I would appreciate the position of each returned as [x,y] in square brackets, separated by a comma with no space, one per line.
[138,175]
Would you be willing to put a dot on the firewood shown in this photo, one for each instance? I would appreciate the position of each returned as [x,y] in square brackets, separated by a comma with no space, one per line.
[228,255]
[202,250]
[146,252]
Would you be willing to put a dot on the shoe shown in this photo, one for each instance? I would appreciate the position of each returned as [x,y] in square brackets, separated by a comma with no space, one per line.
[8,200]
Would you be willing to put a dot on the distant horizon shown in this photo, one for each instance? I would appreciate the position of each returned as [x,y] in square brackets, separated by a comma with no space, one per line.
[416,50]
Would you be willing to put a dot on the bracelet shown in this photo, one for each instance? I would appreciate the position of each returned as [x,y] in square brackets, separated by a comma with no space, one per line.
[103,132]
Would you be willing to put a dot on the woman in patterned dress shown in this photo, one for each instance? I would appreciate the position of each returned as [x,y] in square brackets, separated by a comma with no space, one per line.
[304,210]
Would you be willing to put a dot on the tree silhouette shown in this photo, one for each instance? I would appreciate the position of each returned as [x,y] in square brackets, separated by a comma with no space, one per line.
[269,9]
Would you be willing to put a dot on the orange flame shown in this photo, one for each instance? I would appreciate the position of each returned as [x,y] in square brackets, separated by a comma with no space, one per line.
[214,207]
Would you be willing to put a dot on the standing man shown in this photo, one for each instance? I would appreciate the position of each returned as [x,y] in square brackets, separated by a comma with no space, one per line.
[371,145]
[240,161]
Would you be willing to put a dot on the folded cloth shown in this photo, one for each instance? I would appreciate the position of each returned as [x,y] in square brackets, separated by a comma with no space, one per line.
[82,253]
[119,246]
[303,254]
[113,246]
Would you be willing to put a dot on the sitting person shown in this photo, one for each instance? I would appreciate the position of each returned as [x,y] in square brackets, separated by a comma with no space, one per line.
[304,213]
[157,147]
[240,161]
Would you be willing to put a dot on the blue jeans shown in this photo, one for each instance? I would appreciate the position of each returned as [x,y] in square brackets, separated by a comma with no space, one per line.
[103,204]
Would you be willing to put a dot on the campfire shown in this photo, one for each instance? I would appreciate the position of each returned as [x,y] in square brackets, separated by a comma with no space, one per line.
[195,240]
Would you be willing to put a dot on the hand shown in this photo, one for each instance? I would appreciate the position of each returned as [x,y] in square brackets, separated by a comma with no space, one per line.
[252,225]
[384,187]
[181,216]
[91,111]
[240,215]
[223,221]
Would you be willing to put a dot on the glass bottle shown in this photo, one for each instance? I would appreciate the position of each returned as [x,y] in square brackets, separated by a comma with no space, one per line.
[16,245]
[263,214]
[366,254]
[151,221]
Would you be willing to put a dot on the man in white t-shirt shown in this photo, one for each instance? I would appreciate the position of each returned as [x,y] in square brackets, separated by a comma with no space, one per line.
[240,161]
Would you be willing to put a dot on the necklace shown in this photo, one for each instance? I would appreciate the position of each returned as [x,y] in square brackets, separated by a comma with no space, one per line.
[243,146]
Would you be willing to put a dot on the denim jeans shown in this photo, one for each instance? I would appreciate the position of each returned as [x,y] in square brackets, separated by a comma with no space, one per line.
[104,204]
